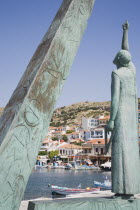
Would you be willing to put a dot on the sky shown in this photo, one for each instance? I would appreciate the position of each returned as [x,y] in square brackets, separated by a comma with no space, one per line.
[24,23]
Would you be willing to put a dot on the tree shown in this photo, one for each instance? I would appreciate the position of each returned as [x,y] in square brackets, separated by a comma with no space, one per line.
[55,138]
[58,124]
[69,131]
[53,153]
[42,153]
[78,143]
[65,138]
[52,124]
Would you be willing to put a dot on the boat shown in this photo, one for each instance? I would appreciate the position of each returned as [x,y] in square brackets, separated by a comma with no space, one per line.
[40,166]
[57,167]
[86,167]
[106,185]
[41,163]
[68,166]
[69,191]
[106,166]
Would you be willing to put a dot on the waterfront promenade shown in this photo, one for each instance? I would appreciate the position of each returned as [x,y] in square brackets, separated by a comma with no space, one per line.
[101,194]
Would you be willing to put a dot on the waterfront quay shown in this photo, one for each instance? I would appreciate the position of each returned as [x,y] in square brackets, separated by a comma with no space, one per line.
[38,190]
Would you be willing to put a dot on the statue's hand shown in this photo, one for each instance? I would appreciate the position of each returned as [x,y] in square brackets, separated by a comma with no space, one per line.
[125,26]
[110,125]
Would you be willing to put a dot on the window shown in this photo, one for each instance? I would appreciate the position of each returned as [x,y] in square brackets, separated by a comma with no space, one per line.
[102,151]
[99,132]
[96,149]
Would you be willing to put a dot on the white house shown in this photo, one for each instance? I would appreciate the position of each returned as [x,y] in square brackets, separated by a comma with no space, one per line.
[88,123]
[97,133]
[85,135]
[103,120]
[73,135]
[49,145]
[69,149]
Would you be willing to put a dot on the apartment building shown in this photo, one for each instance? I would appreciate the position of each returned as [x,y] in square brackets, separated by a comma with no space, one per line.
[88,123]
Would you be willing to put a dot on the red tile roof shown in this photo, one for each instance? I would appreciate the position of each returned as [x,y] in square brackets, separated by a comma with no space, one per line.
[105,118]
[97,141]
[70,146]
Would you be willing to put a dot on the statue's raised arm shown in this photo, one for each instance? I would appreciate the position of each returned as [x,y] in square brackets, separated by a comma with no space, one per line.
[125,44]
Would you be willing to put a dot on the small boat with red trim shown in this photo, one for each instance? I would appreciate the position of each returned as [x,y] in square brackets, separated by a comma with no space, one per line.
[68,191]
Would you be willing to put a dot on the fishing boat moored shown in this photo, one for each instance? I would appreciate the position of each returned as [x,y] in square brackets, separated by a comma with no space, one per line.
[106,185]
[68,191]
[106,166]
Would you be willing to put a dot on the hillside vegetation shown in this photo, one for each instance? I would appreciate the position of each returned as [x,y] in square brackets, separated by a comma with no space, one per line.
[72,115]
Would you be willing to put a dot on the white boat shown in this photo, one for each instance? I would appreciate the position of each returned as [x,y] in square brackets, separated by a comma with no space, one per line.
[106,166]
[68,166]
[106,185]
[40,166]
[85,167]
[57,167]
[68,191]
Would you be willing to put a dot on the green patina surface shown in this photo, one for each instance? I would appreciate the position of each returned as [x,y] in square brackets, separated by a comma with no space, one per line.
[86,204]
[124,123]
[26,118]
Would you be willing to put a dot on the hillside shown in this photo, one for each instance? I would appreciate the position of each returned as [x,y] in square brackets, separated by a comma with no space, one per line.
[72,115]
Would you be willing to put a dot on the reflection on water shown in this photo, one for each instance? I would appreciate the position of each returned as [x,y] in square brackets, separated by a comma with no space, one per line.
[40,178]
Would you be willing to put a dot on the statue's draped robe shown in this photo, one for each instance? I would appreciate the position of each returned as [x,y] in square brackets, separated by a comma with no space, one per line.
[125,148]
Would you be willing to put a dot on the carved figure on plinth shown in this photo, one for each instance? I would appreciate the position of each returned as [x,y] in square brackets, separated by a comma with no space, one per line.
[124,123]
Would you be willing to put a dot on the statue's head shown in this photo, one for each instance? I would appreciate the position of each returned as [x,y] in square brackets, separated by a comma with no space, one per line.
[122,58]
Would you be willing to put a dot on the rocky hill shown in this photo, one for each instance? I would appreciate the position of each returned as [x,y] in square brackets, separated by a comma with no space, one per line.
[72,115]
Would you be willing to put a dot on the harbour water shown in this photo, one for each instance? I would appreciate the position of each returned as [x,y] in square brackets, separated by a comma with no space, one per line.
[40,178]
